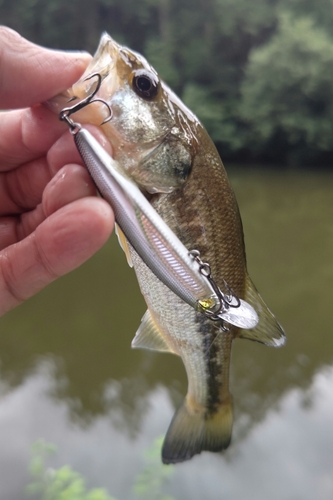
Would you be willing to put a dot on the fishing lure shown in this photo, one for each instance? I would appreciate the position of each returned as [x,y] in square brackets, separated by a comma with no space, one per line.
[157,245]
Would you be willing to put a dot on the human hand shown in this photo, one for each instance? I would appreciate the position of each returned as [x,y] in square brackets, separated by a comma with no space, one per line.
[50,220]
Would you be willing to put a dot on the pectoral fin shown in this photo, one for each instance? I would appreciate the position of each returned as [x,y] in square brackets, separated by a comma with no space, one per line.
[149,336]
[124,245]
[268,331]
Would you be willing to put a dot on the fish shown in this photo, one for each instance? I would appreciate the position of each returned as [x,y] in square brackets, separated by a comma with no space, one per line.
[182,271]
[164,149]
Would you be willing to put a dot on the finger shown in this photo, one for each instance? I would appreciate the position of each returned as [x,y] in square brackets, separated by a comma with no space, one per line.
[27,134]
[64,150]
[31,74]
[60,244]
[71,183]
[22,188]
[15,228]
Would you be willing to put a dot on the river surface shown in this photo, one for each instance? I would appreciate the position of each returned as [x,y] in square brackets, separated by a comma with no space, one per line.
[69,376]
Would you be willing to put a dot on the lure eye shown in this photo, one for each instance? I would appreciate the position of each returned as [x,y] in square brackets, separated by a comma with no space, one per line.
[145,84]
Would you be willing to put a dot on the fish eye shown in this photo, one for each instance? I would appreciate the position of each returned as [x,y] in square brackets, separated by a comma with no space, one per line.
[145,84]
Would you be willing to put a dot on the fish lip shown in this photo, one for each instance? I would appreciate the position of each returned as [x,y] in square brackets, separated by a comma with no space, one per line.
[103,63]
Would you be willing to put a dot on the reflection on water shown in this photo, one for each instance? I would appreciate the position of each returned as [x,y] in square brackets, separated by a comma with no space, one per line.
[68,373]
[287,456]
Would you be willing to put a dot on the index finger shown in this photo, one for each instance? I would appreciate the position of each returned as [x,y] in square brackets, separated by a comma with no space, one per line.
[27,134]
[31,74]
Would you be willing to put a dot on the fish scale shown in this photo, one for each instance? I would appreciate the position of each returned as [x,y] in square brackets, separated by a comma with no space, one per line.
[219,239]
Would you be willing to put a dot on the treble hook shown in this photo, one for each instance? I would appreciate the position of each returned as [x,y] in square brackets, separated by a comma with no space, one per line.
[67,112]
[226,301]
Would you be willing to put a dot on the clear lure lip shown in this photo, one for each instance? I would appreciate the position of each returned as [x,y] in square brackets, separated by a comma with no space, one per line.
[154,241]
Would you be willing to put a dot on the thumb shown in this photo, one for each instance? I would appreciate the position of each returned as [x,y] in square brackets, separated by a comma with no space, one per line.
[31,74]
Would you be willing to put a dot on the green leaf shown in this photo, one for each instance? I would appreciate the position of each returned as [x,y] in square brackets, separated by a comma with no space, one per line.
[288,84]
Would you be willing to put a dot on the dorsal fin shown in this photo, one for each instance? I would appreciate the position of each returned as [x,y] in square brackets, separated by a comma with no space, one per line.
[149,336]
[269,331]
[124,244]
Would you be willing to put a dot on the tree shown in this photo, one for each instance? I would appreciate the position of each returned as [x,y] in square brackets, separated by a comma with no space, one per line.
[288,86]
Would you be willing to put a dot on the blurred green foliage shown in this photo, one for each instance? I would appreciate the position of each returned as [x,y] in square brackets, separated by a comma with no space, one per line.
[150,482]
[288,85]
[57,484]
[258,74]
[66,484]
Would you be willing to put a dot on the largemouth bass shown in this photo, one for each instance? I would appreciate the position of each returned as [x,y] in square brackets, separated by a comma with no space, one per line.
[166,151]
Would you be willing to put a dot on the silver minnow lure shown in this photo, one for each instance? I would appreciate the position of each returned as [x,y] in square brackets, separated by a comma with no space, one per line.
[154,241]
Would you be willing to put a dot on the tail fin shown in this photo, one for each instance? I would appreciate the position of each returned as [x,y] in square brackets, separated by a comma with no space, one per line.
[193,431]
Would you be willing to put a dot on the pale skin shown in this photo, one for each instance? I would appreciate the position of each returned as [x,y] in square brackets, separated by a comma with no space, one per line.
[50,218]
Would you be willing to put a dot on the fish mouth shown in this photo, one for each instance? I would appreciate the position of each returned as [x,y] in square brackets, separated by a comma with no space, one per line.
[112,62]
[103,63]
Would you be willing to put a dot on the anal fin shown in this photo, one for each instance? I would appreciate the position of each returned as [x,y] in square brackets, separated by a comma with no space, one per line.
[149,336]
[268,331]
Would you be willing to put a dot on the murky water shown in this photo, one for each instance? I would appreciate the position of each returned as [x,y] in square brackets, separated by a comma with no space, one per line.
[68,374]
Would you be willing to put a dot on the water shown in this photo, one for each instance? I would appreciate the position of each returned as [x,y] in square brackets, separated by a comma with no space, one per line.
[68,374]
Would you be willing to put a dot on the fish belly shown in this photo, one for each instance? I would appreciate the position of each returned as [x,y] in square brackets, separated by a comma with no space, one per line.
[204,421]
[177,324]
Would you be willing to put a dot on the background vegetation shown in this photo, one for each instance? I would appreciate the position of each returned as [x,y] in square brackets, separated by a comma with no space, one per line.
[259,74]
[66,484]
